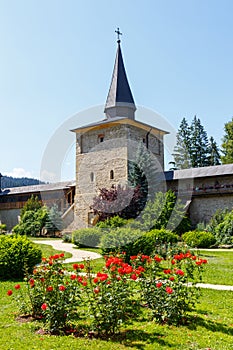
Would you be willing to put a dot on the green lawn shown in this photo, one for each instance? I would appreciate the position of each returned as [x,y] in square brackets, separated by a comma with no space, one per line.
[212,328]
[220,267]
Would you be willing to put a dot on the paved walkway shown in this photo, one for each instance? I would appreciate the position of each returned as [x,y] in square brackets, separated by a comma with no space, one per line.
[77,254]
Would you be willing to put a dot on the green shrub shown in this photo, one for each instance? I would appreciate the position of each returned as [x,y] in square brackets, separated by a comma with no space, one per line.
[87,237]
[199,239]
[224,230]
[152,241]
[118,240]
[67,237]
[2,229]
[18,255]
[115,221]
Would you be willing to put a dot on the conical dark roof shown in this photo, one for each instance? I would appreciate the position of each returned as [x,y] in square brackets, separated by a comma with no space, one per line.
[119,94]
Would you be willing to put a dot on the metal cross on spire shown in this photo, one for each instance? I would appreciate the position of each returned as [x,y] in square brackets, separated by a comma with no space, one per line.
[118,35]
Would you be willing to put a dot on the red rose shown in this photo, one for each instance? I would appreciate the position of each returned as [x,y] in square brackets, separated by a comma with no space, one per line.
[172,278]
[133,277]
[17,286]
[50,289]
[75,266]
[169,290]
[159,284]
[157,258]
[72,276]
[62,288]
[180,272]
[81,266]
[96,280]
[84,283]
[44,306]
[96,290]
[9,292]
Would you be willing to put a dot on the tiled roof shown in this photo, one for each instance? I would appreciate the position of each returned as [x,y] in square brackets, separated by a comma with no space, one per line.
[38,188]
[217,170]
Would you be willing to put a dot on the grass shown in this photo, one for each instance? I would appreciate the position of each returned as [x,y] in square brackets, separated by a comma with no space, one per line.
[212,328]
[219,269]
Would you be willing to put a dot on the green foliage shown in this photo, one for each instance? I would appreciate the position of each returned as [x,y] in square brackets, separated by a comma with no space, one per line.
[192,148]
[17,256]
[224,230]
[32,222]
[52,294]
[87,237]
[112,222]
[214,153]
[110,296]
[165,211]
[118,240]
[53,221]
[221,226]
[33,203]
[67,237]
[151,242]
[182,150]
[2,229]
[166,291]
[227,145]
[199,239]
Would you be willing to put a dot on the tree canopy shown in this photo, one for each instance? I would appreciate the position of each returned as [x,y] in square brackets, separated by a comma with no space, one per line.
[193,148]
[227,145]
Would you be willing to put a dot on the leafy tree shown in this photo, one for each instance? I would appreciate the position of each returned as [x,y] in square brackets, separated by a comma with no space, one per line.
[118,200]
[165,212]
[32,218]
[32,222]
[182,150]
[227,145]
[53,220]
[33,203]
[214,153]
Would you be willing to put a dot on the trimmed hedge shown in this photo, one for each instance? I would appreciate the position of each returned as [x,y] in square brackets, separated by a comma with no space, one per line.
[149,242]
[87,237]
[18,255]
[199,239]
[118,240]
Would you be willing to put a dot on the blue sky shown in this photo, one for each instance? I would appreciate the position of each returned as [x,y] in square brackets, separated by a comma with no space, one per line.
[57,59]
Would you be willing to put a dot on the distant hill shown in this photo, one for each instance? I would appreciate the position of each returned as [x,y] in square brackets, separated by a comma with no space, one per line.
[9,181]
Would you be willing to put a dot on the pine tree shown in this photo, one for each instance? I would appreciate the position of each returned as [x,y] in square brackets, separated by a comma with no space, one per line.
[192,148]
[199,144]
[227,145]
[214,153]
[54,221]
[181,153]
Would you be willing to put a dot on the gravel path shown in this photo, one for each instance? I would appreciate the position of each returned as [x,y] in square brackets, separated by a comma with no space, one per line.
[77,254]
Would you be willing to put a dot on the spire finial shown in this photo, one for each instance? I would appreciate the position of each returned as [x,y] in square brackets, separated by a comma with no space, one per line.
[118,35]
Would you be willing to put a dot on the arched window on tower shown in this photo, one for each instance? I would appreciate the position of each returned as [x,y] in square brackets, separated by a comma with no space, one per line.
[111,174]
[92,177]
[101,138]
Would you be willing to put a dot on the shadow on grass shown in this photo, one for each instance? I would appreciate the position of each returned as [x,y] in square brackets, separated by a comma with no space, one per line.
[139,339]
[210,325]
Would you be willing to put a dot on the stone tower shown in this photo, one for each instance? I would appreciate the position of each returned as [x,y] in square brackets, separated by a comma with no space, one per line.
[104,148]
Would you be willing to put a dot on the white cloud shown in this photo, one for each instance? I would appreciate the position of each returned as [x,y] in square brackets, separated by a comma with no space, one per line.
[19,172]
